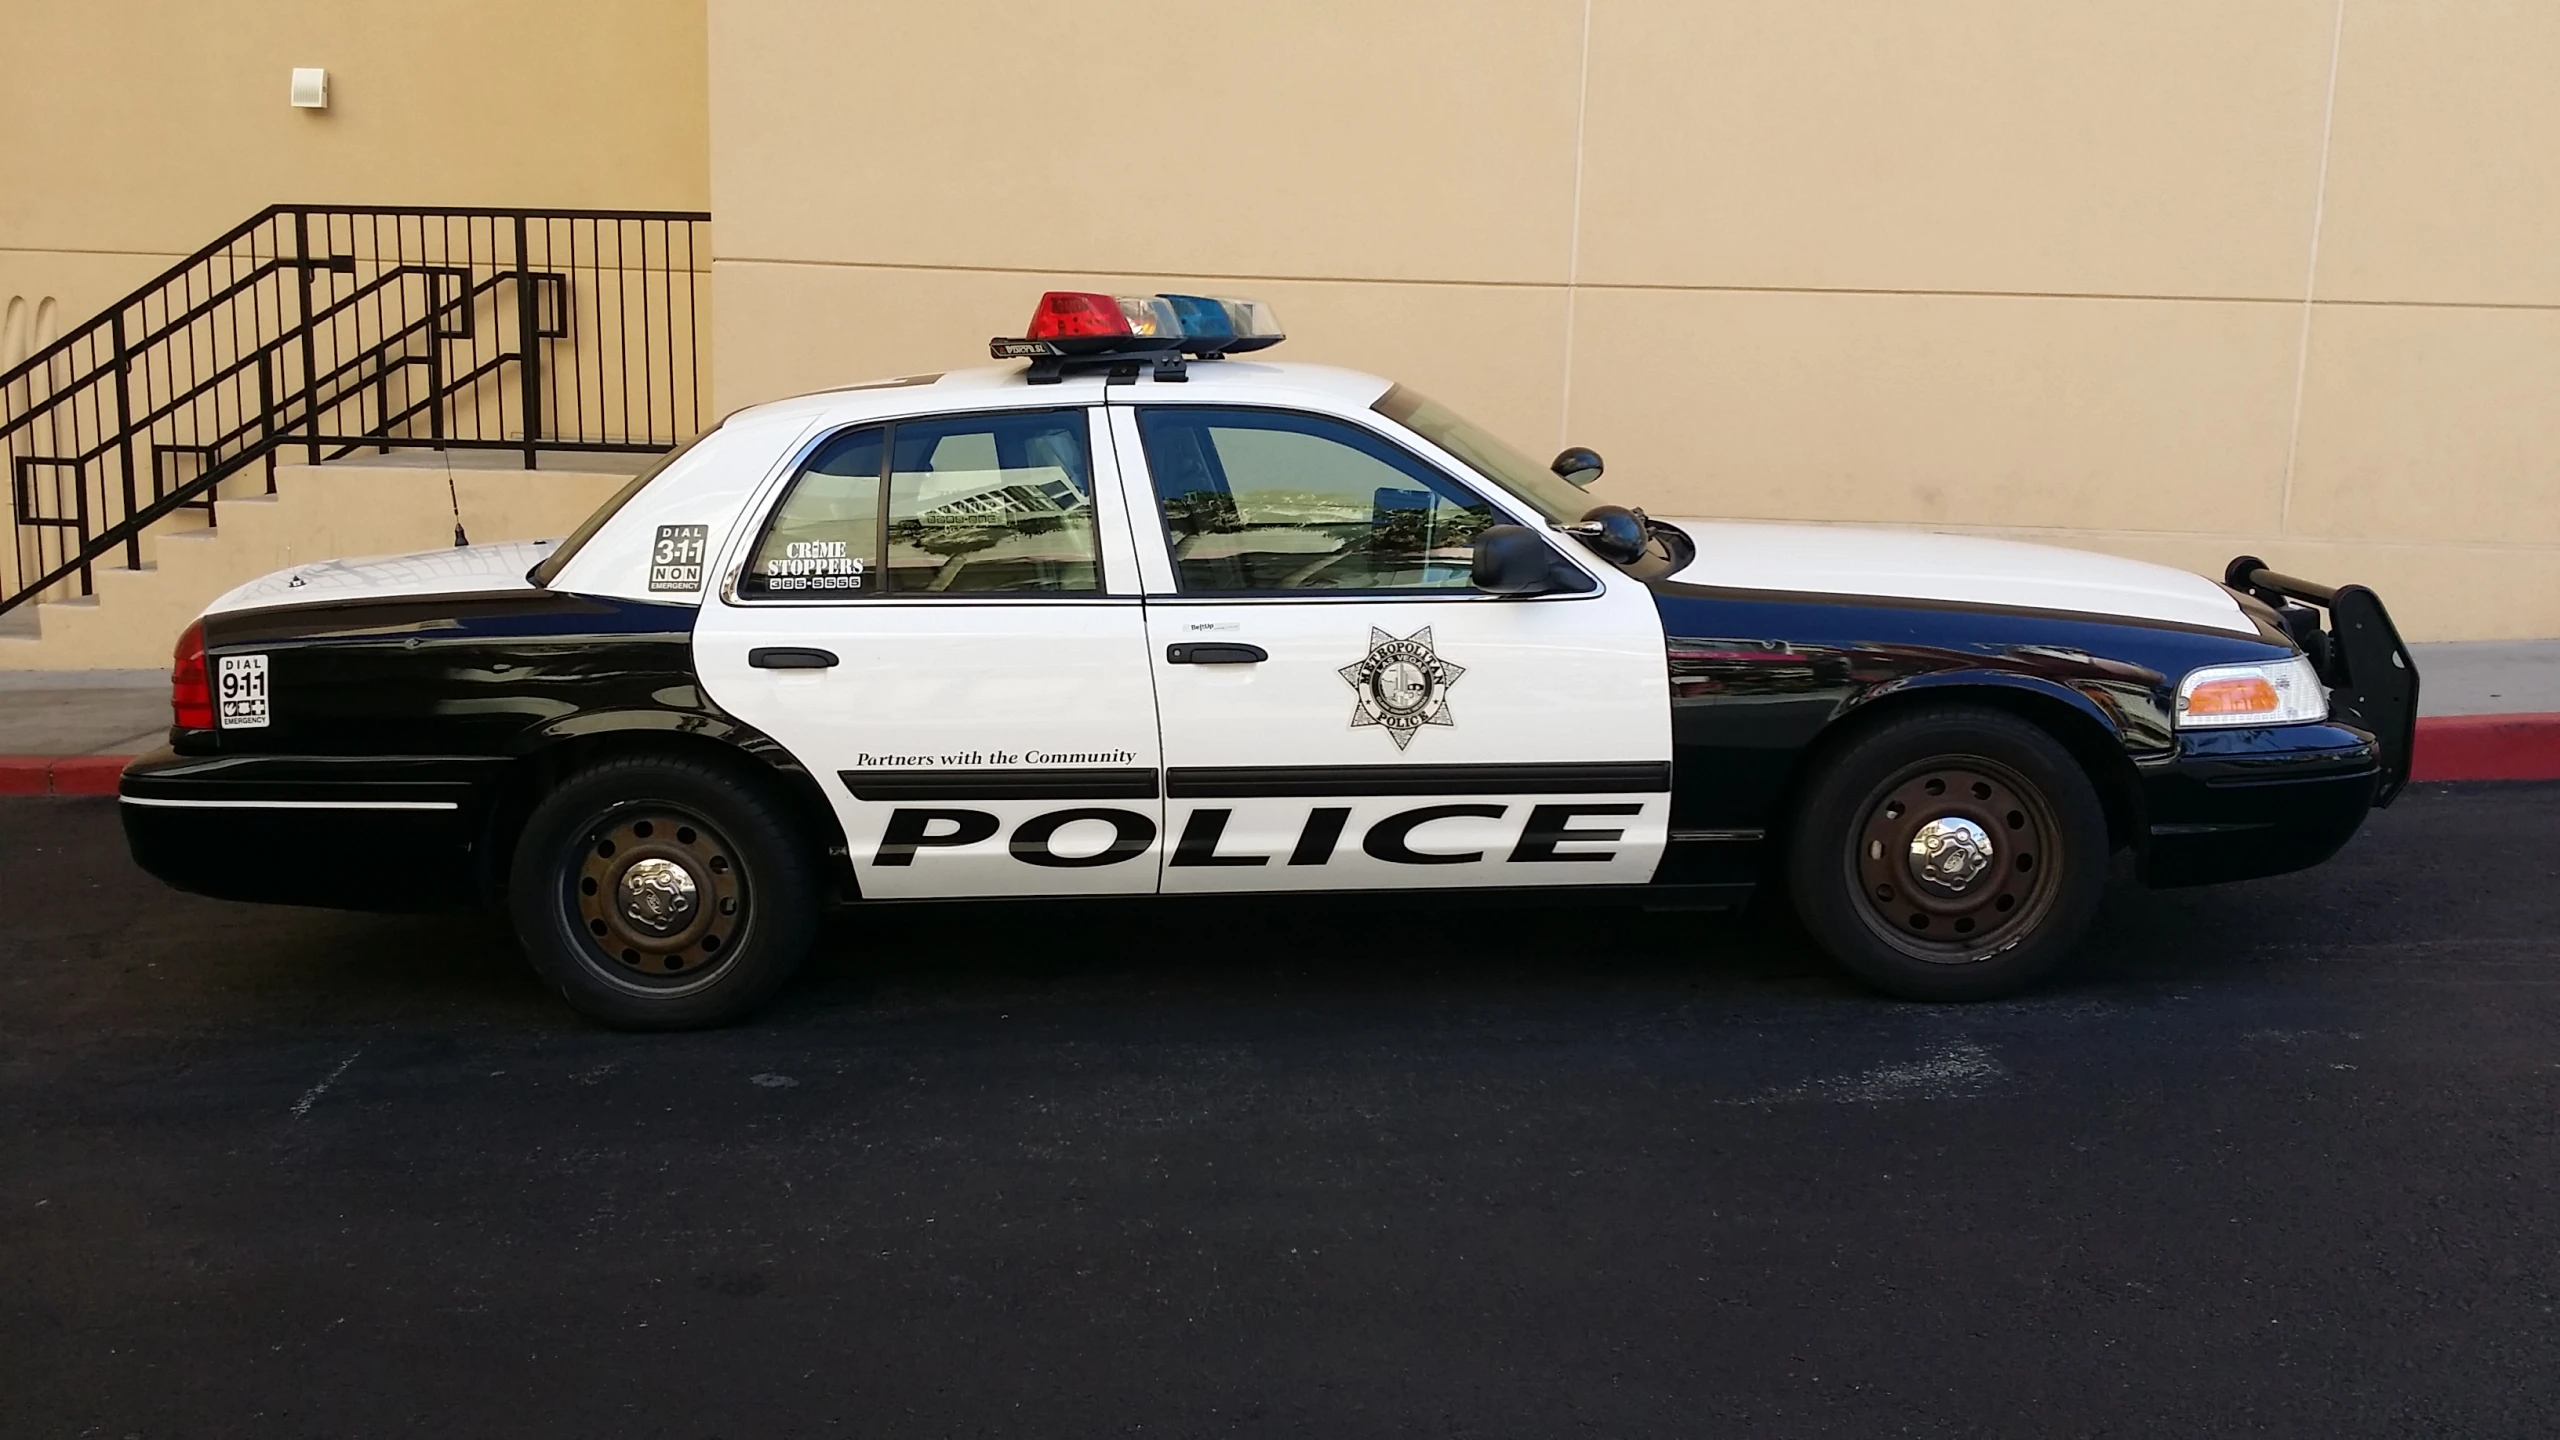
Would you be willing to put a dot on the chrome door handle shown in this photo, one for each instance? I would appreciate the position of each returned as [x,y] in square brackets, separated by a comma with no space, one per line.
[1216,652]
[791,657]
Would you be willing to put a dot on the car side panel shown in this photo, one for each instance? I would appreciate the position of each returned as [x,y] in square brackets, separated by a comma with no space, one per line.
[1758,678]
[393,727]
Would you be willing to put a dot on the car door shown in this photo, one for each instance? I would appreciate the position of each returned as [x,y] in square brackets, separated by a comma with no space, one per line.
[1341,708]
[940,617]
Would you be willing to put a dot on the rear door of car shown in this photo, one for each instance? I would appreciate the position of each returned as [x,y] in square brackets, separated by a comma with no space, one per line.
[941,617]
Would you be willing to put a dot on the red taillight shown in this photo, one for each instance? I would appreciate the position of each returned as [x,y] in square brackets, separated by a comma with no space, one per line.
[1071,312]
[190,693]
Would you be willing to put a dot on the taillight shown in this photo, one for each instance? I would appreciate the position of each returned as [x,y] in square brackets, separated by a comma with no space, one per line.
[190,692]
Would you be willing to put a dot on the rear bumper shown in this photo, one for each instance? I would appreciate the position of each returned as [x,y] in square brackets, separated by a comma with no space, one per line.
[399,835]
[2240,804]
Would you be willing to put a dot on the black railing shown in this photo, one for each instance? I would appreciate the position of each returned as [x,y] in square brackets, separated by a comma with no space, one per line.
[316,331]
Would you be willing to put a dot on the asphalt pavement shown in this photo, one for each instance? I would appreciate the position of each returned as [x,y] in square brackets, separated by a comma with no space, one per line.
[2275,1159]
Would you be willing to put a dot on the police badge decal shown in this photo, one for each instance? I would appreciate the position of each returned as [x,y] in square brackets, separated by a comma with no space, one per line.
[1401,685]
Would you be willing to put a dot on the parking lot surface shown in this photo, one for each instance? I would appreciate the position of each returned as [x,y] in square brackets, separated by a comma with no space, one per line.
[2279,1158]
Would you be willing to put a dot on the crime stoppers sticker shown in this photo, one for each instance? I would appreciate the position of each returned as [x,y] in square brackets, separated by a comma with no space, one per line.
[675,562]
[240,688]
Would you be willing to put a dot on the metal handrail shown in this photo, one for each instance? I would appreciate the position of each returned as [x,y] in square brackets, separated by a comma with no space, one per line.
[338,327]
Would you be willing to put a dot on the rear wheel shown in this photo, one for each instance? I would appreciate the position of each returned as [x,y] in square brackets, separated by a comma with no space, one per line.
[1955,853]
[662,894]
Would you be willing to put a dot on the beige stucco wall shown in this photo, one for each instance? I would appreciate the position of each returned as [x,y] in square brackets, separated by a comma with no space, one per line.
[2174,280]
[132,132]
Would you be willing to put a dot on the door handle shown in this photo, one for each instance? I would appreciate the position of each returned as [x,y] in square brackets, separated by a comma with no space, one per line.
[790,657]
[1215,652]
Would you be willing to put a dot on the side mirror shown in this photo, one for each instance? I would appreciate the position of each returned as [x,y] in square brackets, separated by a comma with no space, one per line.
[1577,467]
[1614,533]
[1512,560]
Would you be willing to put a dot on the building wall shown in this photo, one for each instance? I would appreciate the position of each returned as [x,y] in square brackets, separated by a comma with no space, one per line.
[132,132]
[2174,280]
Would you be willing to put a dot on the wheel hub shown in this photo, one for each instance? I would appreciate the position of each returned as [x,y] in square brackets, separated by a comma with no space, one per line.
[1950,853]
[660,894]
[1954,858]
[657,895]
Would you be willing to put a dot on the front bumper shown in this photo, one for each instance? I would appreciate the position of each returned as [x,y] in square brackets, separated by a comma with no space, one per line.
[376,834]
[2240,804]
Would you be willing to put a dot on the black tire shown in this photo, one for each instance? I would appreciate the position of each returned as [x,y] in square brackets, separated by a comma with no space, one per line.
[1952,853]
[702,936]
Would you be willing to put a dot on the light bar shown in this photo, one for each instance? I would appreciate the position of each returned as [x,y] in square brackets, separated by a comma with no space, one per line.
[1084,323]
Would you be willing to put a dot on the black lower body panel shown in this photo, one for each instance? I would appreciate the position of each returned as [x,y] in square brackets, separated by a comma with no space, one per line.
[2241,804]
[397,836]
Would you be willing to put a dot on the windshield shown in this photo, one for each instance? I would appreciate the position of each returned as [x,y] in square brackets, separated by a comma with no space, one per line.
[542,575]
[1542,488]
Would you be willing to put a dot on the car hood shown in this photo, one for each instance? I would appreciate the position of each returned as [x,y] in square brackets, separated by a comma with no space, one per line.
[463,570]
[1957,569]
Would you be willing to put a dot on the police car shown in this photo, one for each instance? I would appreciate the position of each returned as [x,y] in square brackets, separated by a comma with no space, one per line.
[1139,617]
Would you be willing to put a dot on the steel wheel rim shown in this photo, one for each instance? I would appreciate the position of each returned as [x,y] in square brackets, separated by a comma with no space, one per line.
[1918,898]
[630,867]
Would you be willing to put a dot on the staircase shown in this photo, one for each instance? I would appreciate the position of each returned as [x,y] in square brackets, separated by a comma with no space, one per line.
[212,421]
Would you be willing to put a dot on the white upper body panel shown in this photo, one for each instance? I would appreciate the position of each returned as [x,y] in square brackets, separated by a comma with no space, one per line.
[725,479]
[1962,569]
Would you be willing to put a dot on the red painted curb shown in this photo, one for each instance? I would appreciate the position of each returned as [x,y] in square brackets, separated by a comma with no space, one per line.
[2450,747]
[2488,747]
[60,774]
[88,774]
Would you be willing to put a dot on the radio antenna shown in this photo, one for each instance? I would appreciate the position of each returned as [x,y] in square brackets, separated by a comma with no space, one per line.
[454,497]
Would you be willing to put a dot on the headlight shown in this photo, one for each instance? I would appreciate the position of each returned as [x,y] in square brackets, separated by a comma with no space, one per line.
[2280,692]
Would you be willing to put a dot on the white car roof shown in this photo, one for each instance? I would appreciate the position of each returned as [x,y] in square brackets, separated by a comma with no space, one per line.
[989,386]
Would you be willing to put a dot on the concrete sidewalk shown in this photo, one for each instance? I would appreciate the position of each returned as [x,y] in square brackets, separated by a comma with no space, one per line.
[55,714]
[83,712]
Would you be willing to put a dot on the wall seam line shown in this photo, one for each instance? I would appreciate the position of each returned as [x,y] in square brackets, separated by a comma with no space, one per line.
[2311,276]
[1573,240]
[1632,287]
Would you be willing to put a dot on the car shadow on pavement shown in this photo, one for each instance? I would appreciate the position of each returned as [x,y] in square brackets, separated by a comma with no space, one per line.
[108,931]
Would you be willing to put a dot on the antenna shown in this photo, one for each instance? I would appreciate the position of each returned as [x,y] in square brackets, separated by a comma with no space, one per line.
[454,498]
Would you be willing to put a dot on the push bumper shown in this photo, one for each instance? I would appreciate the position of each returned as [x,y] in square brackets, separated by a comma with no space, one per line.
[2239,804]
[385,835]
[2373,682]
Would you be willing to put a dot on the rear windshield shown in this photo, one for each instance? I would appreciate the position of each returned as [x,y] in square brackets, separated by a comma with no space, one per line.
[542,575]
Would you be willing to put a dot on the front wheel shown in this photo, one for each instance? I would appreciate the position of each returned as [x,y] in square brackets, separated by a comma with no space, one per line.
[1955,853]
[662,894]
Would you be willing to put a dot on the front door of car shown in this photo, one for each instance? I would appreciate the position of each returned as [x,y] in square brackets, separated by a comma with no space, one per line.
[940,618]
[1341,708]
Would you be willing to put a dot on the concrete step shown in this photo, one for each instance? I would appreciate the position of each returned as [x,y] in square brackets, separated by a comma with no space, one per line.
[346,509]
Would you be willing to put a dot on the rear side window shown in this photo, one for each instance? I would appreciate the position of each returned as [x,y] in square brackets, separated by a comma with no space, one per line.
[541,576]
[955,505]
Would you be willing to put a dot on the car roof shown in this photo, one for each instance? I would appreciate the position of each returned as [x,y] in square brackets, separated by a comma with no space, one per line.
[987,386]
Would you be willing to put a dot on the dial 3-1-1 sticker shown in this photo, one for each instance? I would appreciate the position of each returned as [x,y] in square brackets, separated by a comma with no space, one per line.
[240,687]
[675,559]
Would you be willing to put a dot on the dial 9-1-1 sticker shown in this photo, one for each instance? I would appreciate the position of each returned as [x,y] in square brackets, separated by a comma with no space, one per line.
[240,692]
[675,561]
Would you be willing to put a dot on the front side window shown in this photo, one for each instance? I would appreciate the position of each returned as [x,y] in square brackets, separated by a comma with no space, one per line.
[954,505]
[1260,501]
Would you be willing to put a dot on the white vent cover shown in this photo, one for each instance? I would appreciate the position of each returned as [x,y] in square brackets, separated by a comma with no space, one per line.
[310,89]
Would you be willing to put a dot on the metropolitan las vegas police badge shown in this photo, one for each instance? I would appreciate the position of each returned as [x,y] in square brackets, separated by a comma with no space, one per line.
[1401,685]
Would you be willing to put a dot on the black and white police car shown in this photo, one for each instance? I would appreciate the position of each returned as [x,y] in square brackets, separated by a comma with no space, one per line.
[1140,618]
